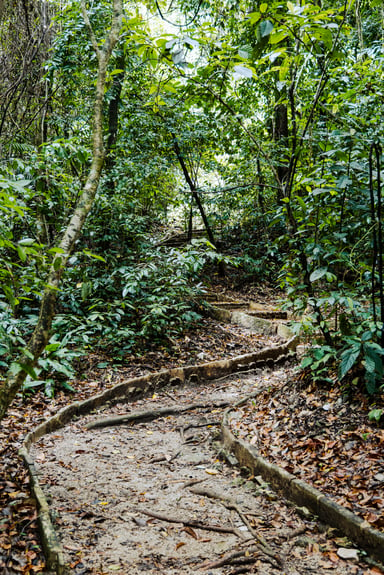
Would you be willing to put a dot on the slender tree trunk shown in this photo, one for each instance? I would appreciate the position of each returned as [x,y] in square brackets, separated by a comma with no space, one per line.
[196,197]
[113,118]
[194,193]
[40,337]
[281,135]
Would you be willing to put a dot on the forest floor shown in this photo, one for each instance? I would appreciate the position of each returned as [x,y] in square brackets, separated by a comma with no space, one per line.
[317,433]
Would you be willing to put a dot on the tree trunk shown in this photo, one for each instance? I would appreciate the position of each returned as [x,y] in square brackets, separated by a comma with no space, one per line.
[196,197]
[113,118]
[25,363]
[194,193]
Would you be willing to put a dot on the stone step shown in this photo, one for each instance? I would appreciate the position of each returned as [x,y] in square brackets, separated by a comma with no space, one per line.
[232,305]
[255,310]
[253,320]
[269,314]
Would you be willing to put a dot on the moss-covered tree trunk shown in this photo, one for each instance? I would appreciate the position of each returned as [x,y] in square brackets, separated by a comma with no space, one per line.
[40,337]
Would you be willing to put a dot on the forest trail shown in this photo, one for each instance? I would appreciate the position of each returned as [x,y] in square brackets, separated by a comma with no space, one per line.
[149,496]
[160,496]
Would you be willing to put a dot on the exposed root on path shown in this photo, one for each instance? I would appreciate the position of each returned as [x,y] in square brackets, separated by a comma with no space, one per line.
[152,414]
[231,504]
[193,523]
[249,554]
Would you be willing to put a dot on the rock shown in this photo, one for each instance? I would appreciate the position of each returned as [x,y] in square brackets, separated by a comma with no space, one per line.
[345,553]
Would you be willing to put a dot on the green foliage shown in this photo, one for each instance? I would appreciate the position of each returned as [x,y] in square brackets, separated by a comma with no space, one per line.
[137,303]
[376,414]
[358,357]
[12,334]
[54,369]
[319,360]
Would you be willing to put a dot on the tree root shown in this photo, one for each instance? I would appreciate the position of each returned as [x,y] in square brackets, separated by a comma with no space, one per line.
[230,504]
[233,557]
[194,523]
[150,415]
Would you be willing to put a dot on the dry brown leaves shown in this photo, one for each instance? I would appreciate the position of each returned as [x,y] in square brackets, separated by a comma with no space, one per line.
[323,438]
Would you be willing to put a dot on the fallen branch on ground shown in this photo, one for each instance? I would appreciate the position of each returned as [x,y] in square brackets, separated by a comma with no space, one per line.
[230,557]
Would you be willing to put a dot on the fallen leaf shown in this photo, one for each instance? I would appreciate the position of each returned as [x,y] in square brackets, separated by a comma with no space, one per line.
[333,557]
[190,532]
[211,471]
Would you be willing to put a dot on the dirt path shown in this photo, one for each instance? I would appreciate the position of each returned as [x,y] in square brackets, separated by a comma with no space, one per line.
[104,484]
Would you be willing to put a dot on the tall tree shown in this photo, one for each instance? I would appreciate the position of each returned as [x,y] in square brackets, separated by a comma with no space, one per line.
[40,337]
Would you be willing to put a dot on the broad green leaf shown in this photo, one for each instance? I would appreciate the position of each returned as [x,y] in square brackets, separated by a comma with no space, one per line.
[344,182]
[254,17]
[30,383]
[322,35]
[348,360]
[265,28]
[28,353]
[291,7]
[284,69]
[301,203]
[169,88]
[374,358]
[22,253]
[375,414]
[369,364]
[307,361]
[263,7]
[318,274]
[94,256]
[27,242]
[278,37]
[52,346]
[60,368]
[28,369]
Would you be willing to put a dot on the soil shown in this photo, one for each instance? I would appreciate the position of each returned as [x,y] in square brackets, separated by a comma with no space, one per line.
[103,482]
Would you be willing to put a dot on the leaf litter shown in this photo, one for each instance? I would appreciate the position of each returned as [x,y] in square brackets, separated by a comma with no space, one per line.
[20,547]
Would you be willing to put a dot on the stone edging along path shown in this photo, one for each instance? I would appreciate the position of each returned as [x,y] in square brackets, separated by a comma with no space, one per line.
[294,489]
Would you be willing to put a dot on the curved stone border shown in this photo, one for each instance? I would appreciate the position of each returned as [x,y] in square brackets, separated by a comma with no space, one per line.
[130,389]
[303,494]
